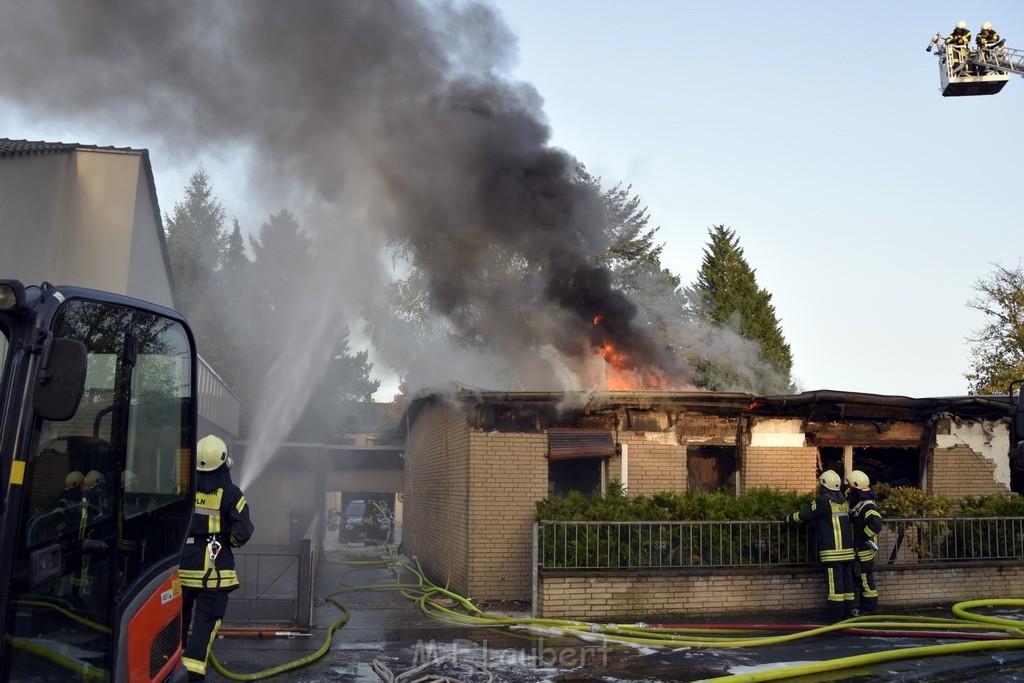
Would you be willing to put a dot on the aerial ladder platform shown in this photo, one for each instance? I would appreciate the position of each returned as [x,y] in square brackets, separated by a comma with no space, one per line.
[963,71]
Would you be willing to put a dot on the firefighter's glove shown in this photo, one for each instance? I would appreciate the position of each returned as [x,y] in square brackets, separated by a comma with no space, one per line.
[785,519]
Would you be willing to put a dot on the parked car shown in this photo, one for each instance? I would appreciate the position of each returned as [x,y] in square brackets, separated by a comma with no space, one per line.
[366,519]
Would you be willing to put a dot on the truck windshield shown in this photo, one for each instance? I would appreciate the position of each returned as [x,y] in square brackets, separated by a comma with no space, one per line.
[105,493]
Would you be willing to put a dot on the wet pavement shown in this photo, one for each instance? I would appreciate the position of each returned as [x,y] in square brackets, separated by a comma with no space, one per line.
[388,637]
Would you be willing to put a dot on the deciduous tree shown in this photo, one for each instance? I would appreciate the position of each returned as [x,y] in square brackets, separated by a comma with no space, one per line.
[998,347]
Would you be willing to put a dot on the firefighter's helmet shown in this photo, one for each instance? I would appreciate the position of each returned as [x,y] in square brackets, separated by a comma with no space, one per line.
[73,480]
[961,24]
[93,479]
[859,480]
[211,453]
[986,26]
[830,480]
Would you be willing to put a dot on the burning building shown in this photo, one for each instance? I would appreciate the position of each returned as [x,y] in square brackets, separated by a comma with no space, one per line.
[477,462]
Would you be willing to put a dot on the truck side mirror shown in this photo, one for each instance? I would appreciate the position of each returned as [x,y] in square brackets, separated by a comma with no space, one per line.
[61,380]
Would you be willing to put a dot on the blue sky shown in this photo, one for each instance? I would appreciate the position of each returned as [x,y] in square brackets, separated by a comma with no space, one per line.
[868,204]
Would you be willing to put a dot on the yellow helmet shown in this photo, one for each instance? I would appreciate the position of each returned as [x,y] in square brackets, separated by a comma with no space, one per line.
[858,480]
[211,453]
[73,480]
[986,26]
[961,24]
[93,479]
[830,480]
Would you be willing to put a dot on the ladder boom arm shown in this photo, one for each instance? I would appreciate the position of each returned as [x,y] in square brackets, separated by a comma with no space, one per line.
[999,59]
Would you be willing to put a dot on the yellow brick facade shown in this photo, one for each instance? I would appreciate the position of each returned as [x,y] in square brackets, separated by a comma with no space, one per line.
[653,465]
[788,468]
[629,596]
[471,493]
[508,474]
[436,525]
[960,471]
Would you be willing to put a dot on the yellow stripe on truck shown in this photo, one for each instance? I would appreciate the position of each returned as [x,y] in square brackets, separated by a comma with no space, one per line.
[18,472]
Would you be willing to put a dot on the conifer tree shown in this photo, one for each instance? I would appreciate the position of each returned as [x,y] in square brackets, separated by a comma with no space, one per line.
[726,295]
[634,259]
[195,245]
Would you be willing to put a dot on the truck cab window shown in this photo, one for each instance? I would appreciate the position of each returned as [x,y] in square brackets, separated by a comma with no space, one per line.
[105,492]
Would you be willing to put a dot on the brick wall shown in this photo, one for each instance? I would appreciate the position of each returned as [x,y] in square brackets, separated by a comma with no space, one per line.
[436,526]
[787,468]
[508,475]
[960,471]
[653,466]
[616,596]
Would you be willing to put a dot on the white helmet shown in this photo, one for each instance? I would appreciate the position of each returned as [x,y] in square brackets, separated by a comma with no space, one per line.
[211,453]
[830,480]
[961,24]
[859,480]
[986,26]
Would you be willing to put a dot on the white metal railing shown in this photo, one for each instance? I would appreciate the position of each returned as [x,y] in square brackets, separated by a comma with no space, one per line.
[697,545]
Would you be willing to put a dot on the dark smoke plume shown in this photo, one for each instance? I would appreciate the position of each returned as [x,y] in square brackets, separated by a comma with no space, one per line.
[378,123]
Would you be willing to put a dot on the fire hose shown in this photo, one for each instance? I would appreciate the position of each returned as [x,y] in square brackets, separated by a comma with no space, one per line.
[983,633]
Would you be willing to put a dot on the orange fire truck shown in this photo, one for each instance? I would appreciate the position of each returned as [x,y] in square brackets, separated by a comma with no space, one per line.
[97,423]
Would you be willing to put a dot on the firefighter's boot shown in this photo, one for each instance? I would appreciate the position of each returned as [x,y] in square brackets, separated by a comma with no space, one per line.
[868,605]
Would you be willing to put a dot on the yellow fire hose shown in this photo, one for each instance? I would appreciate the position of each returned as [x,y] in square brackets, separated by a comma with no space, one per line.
[429,597]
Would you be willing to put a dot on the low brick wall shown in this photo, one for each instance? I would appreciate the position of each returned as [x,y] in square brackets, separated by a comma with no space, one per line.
[609,596]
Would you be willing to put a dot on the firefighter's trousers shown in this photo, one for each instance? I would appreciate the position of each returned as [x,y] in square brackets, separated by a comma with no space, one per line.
[866,587]
[209,607]
[840,589]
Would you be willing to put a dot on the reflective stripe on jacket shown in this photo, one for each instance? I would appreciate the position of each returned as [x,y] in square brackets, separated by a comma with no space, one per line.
[830,514]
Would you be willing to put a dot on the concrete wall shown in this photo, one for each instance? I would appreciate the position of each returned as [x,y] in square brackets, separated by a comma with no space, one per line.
[83,218]
[630,596]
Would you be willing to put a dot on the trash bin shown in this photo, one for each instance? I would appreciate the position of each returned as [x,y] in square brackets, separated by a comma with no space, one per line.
[300,519]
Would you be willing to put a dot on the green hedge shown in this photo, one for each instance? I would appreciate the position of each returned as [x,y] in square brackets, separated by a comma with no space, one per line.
[758,504]
[601,545]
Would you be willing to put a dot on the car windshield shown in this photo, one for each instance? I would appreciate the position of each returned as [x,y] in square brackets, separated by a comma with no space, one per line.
[355,509]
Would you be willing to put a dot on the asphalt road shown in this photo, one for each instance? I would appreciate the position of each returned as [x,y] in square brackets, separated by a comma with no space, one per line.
[389,629]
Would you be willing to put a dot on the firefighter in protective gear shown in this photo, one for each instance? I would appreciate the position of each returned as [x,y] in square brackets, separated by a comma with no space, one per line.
[220,522]
[959,39]
[867,524]
[988,38]
[830,514]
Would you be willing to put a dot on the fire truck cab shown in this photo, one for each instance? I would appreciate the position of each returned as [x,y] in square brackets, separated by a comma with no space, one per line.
[97,426]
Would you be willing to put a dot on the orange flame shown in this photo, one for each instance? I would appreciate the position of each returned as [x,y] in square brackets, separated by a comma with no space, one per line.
[622,375]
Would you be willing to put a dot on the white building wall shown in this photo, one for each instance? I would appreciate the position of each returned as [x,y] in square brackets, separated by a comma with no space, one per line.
[778,433]
[83,218]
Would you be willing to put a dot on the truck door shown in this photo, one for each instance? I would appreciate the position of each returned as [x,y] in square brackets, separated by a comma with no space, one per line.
[104,506]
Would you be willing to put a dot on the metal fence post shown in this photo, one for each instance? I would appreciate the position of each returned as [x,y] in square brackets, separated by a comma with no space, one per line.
[535,571]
